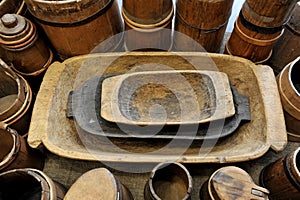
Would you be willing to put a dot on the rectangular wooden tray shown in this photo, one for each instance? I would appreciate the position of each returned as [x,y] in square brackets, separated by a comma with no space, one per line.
[51,127]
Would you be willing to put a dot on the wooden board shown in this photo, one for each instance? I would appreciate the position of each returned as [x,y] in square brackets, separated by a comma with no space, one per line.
[51,128]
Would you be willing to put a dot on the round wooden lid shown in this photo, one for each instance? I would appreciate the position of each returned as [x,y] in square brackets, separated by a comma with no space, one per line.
[95,184]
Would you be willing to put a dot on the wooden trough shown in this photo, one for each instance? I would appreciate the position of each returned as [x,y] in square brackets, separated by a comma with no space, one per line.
[56,132]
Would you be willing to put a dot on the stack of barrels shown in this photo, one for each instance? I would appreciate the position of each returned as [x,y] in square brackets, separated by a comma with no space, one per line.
[148,24]
[287,48]
[258,27]
[204,22]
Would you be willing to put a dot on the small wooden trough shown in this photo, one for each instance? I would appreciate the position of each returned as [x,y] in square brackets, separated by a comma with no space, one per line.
[52,128]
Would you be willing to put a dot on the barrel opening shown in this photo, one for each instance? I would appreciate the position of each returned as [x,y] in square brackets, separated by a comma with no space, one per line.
[295,75]
[297,161]
[8,91]
[171,182]
[6,145]
[20,185]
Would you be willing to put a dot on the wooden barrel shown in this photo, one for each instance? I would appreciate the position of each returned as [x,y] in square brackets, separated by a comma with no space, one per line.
[197,19]
[155,38]
[145,12]
[15,153]
[282,177]
[252,42]
[287,48]
[169,181]
[15,99]
[25,49]
[12,6]
[98,184]
[29,184]
[76,27]
[268,13]
[289,90]
[231,183]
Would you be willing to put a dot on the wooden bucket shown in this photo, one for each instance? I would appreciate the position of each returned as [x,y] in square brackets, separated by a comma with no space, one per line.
[25,49]
[282,177]
[98,184]
[15,153]
[76,27]
[197,19]
[289,89]
[169,181]
[287,48]
[231,183]
[12,6]
[29,184]
[268,13]
[252,42]
[15,98]
[155,38]
[150,13]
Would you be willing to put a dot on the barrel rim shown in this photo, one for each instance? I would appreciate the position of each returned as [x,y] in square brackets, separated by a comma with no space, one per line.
[290,75]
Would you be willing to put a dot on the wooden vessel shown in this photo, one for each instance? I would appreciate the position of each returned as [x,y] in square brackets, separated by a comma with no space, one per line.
[16,99]
[268,13]
[231,183]
[287,48]
[197,20]
[207,95]
[12,6]
[289,89]
[148,13]
[169,181]
[78,27]
[98,183]
[252,42]
[15,153]
[25,49]
[29,184]
[50,127]
[282,177]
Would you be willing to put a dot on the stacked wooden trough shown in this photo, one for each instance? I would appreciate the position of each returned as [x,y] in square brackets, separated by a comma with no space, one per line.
[159,116]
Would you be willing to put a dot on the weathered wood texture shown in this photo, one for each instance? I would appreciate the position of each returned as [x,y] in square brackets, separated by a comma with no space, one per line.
[289,89]
[29,184]
[268,13]
[131,98]
[232,183]
[287,48]
[25,49]
[98,183]
[197,19]
[169,181]
[16,154]
[147,12]
[78,27]
[282,177]
[50,126]
[252,42]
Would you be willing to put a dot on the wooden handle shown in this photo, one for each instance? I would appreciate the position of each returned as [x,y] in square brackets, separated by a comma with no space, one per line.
[276,130]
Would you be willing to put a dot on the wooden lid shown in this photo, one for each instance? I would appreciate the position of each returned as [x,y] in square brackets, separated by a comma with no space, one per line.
[234,183]
[95,184]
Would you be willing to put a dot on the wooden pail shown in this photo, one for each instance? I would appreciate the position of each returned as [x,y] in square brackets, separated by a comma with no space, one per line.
[76,27]
[252,42]
[15,100]
[287,48]
[169,181]
[231,183]
[197,19]
[25,49]
[15,153]
[145,12]
[282,177]
[289,90]
[268,13]
[98,184]
[29,184]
